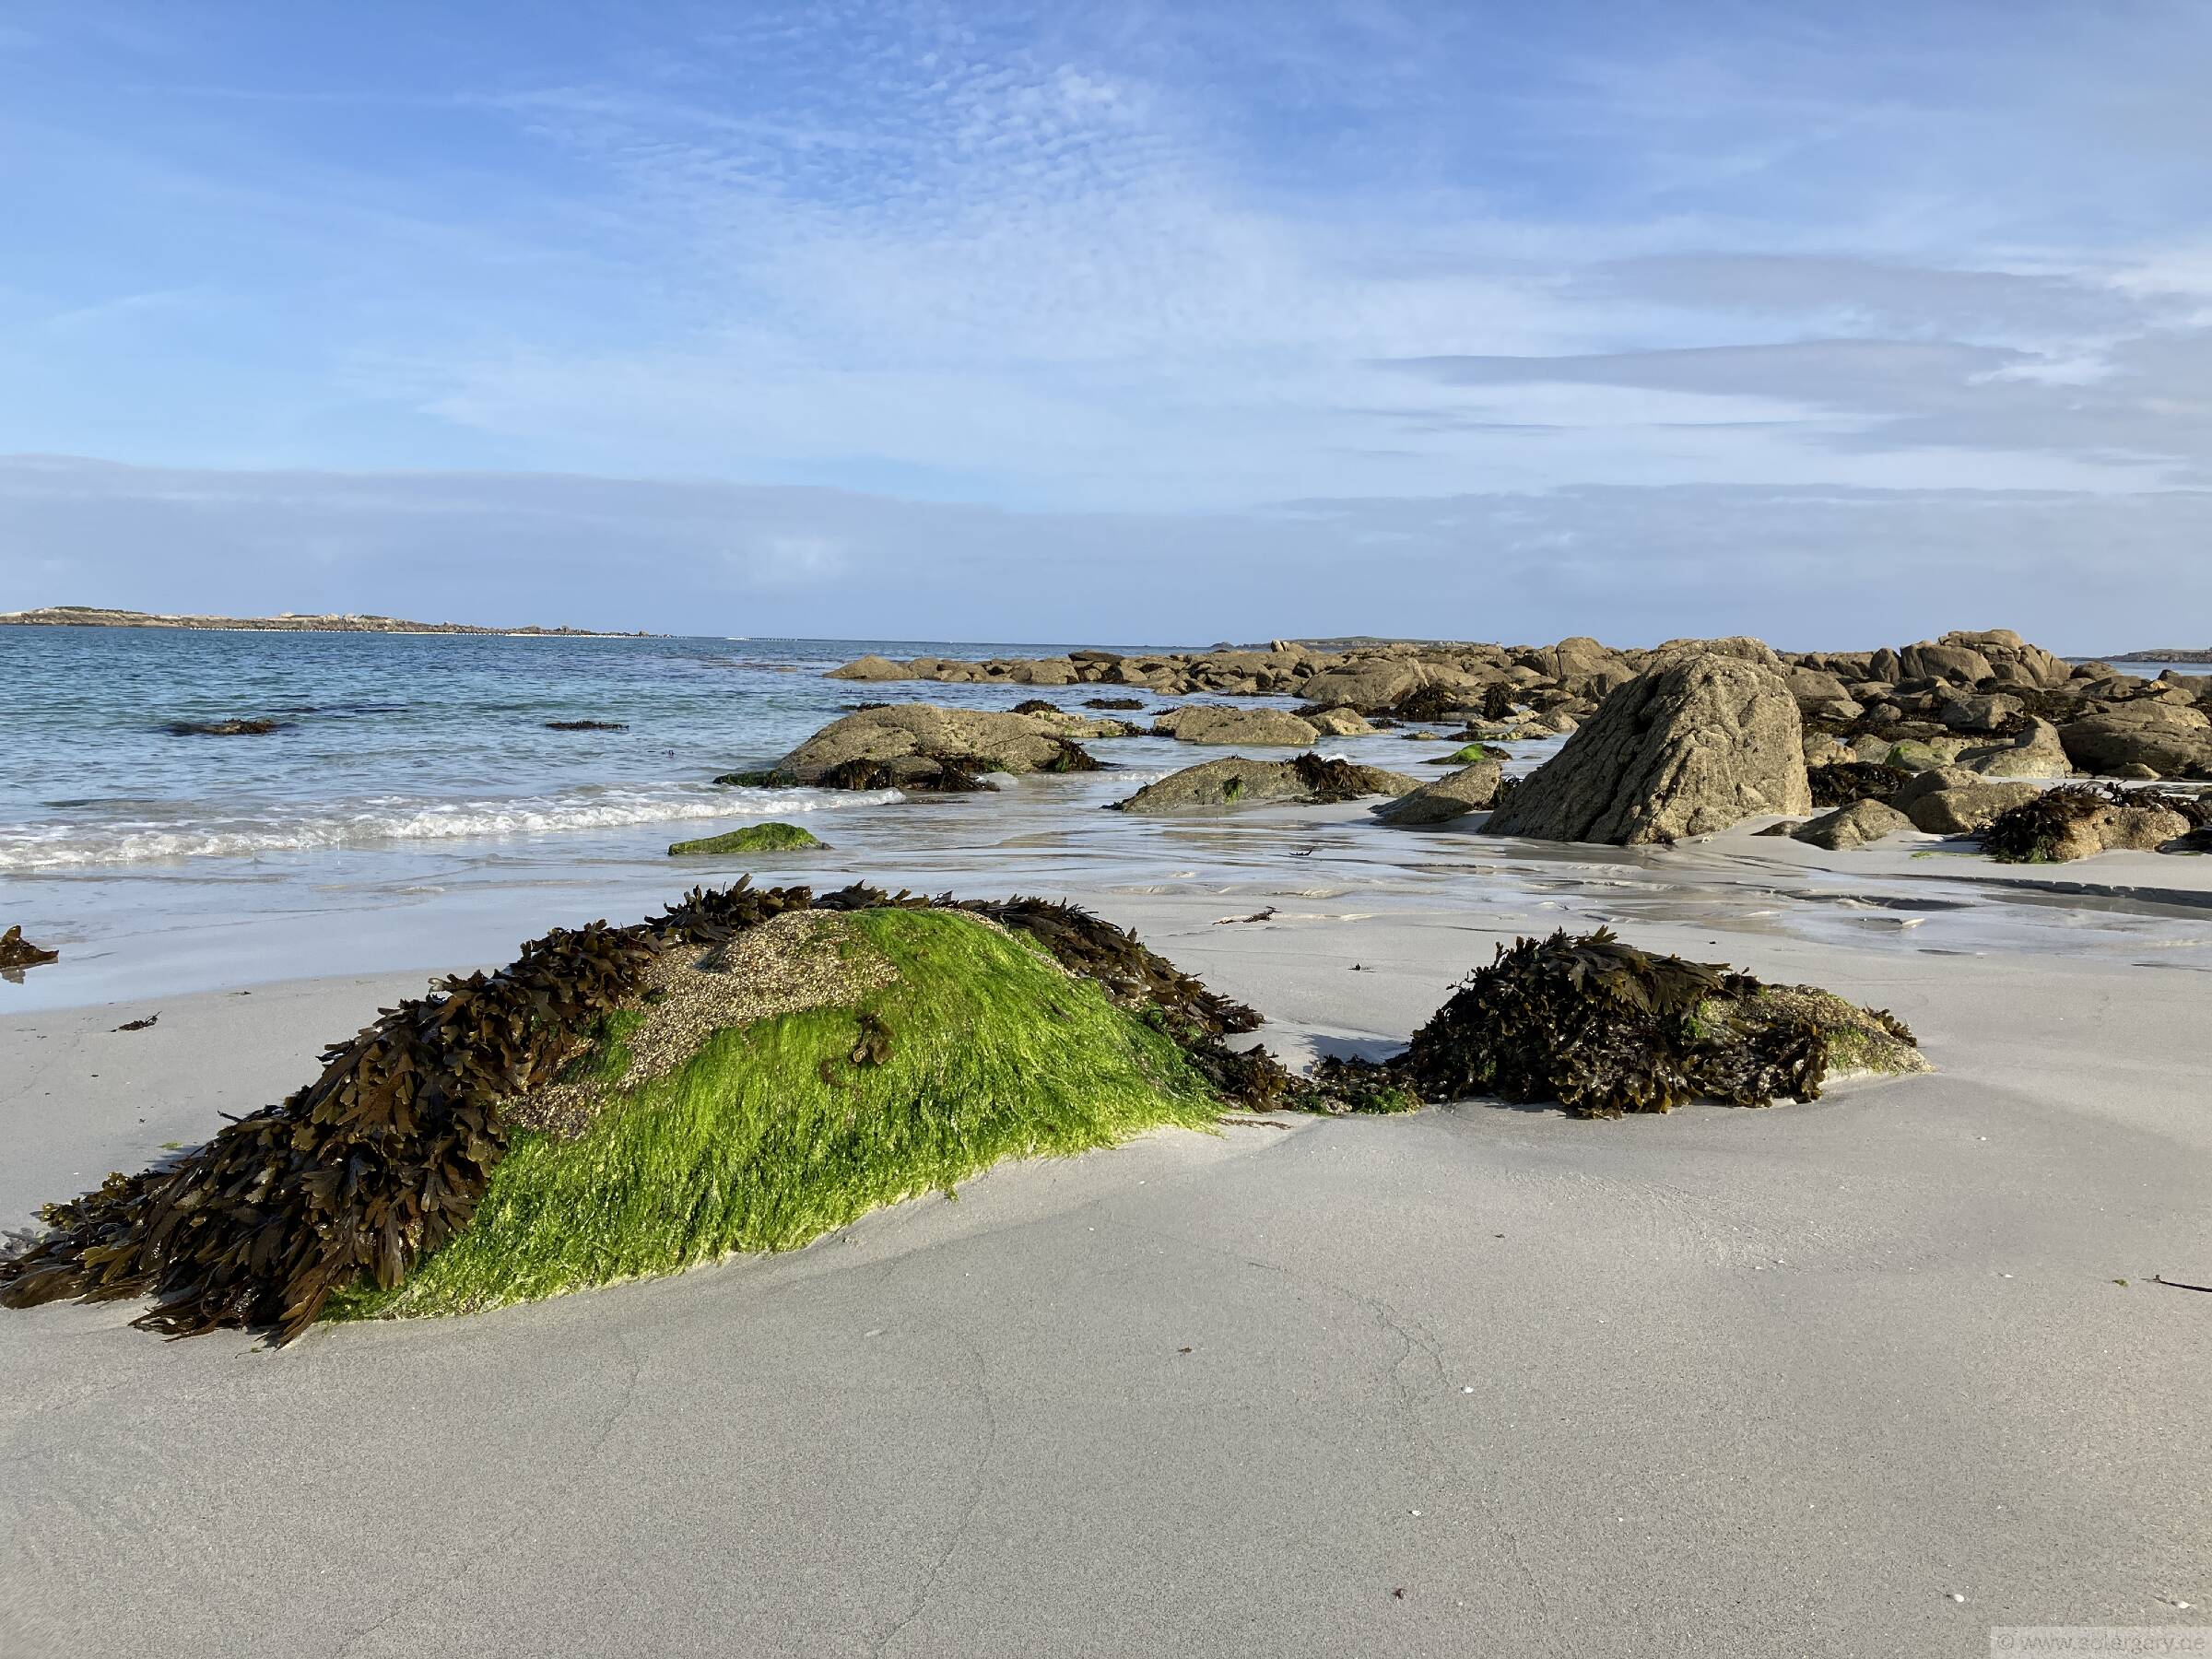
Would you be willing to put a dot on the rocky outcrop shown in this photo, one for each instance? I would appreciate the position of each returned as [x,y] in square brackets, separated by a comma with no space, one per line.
[1856,825]
[870,669]
[1213,722]
[1690,749]
[923,746]
[1339,723]
[1470,789]
[1239,781]
[2173,739]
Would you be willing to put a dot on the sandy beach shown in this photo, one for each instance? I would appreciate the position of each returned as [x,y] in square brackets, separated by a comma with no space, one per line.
[1871,1374]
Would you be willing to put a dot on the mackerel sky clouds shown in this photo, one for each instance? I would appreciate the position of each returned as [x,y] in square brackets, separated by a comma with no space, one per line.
[1808,320]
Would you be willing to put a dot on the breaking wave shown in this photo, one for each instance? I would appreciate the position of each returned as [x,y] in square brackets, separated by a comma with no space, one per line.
[383,820]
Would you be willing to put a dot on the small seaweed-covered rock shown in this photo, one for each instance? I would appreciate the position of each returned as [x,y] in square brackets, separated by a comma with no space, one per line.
[1470,789]
[2080,820]
[923,746]
[1688,748]
[1211,722]
[1605,1028]
[1238,780]
[1858,824]
[17,952]
[753,837]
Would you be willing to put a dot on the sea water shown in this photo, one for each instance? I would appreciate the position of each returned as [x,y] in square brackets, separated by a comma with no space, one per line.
[415,808]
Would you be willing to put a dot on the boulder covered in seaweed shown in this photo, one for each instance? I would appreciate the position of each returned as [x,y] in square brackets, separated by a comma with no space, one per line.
[1605,1028]
[1238,782]
[925,747]
[745,1072]
[2080,820]
[1699,743]
[754,838]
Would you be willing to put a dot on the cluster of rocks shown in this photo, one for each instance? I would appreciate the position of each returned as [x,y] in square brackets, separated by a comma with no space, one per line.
[1988,700]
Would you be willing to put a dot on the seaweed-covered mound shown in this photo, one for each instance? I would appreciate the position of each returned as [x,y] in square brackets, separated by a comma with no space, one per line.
[967,1046]
[1310,780]
[379,1159]
[773,837]
[2078,821]
[1605,1029]
[1842,781]
[800,1088]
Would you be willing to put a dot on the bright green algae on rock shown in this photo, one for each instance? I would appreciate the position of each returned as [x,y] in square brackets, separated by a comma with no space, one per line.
[773,1135]
[753,837]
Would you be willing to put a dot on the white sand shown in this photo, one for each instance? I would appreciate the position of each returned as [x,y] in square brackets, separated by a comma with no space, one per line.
[1736,1382]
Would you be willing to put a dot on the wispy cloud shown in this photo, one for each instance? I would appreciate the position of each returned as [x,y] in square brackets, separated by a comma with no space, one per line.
[1131,259]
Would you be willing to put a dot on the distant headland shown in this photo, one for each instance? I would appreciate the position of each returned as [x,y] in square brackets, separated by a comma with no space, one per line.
[2165,653]
[94,616]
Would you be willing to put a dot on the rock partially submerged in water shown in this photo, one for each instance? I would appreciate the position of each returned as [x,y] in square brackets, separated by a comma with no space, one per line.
[17,952]
[753,837]
[1470,789]
[923,746]
[1691,747]
[1238,782]
[623,1101]
[585,725]
[1605,1029]
[257,726]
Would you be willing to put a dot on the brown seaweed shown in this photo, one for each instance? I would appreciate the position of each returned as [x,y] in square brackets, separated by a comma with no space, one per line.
[1842,781]
[17,952]
[2030,832]
[1605,1028]
[379,1160]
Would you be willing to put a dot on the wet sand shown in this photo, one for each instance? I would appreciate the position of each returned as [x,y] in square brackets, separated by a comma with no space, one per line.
[1725,1382]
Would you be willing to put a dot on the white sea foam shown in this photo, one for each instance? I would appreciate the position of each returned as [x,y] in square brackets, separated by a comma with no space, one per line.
[386,819]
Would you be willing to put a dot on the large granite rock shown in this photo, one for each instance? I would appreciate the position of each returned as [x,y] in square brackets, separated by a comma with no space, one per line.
[1470,789]
[1211,722]
[1697,744]
[2035,753]
[2170,738]
[1239,781]
[916,742]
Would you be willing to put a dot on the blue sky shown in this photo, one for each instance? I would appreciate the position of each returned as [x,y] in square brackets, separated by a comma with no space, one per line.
[1810,319]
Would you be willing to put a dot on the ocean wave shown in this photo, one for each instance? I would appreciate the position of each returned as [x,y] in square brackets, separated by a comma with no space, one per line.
[385,820]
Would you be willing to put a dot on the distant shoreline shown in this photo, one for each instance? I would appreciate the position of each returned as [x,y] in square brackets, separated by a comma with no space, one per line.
[2171,654]
[87,616]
